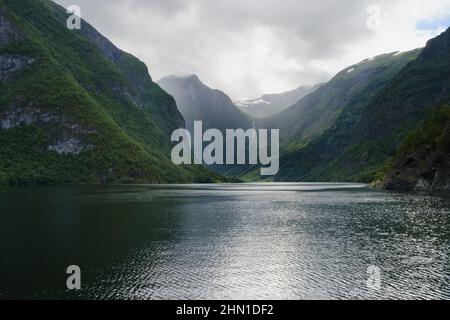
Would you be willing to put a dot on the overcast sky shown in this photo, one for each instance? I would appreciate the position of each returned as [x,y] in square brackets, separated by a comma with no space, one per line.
[250,47]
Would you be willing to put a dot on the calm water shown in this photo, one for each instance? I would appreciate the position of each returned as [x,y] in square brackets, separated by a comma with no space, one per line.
[270,241]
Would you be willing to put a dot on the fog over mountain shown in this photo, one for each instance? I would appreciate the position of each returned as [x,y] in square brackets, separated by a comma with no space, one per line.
[198,102]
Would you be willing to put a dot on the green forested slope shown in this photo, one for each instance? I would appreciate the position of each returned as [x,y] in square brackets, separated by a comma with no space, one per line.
[314,129]
[422,162]
[75,109]
[361,145]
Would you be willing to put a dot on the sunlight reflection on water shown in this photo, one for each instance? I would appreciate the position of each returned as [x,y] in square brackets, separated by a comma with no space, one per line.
[246,241]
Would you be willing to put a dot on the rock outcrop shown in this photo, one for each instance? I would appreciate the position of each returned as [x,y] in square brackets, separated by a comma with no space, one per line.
[422,168]
[11,64]
[9,32]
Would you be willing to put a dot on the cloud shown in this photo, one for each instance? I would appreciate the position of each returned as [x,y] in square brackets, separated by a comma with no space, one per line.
[248,48]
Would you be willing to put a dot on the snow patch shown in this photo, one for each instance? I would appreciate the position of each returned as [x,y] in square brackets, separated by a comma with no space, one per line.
[249,103]
[366,60]
[422,185]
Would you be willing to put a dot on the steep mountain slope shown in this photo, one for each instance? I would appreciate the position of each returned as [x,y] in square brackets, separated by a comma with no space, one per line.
[271,104]
[351,88]
[364,140]
[76,109]
[343,97]
[196,101]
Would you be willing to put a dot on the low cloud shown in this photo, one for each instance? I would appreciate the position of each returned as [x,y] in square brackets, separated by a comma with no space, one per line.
[248,48]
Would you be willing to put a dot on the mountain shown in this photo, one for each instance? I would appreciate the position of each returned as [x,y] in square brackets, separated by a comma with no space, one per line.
[422,162]
[271,104]
[366,135]
[311,121]
[196,101]
[76,109]
[350,89]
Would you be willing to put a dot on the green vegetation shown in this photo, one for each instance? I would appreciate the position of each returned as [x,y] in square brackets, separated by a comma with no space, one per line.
[423,160]
[79,110]
[319,127]
[120,120]
[359,140]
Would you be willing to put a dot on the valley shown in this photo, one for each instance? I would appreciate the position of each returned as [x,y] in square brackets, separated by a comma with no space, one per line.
[104,120]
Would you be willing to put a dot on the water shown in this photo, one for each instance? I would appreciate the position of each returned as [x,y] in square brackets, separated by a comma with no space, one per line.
[265,241]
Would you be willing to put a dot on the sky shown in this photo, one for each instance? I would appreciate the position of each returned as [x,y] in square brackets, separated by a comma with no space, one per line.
[247,48]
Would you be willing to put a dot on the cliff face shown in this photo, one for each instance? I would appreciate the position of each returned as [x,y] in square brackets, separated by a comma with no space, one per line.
[271,104]
[140,88]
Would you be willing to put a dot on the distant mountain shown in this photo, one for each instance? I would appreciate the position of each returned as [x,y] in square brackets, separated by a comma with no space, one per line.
[308,125]
[271,104]
[196,101]
[76,109]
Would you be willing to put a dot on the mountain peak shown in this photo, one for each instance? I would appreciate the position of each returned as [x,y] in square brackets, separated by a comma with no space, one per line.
[197,101]
[193,77]
[173,77]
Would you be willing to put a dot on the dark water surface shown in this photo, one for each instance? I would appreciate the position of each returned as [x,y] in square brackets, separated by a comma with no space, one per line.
[247,241]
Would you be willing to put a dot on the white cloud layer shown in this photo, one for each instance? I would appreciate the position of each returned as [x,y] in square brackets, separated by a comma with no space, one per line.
[251,47]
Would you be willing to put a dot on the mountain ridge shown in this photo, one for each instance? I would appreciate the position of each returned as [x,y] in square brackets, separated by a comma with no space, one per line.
[271,104]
